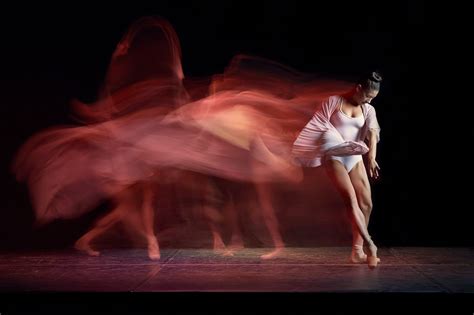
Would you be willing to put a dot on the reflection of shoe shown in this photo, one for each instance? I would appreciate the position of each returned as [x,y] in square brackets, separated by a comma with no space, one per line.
[348,148]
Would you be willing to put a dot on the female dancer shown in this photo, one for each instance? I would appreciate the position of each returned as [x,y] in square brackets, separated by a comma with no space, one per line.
[335,137]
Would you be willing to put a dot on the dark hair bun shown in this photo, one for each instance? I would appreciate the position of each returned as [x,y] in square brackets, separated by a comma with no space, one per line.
[375,76]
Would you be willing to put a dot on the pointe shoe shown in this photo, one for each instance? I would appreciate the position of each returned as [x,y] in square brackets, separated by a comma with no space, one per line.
[85,247]
[236,244]
[154,251]
[357,258]
[235,247]
[372,260]
[228,253]
[219,246]
[277,252]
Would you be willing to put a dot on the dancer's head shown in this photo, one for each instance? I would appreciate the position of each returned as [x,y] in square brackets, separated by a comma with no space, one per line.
[367,88]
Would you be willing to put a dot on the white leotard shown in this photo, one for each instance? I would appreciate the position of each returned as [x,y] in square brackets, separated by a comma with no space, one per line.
[350,129]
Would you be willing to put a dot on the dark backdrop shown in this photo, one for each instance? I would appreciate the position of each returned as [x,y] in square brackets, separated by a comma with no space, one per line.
[51,54]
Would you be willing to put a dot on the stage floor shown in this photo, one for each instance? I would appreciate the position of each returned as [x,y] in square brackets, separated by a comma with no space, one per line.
[324,269]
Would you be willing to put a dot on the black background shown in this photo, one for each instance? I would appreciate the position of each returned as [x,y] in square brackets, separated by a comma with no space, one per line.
[54,53]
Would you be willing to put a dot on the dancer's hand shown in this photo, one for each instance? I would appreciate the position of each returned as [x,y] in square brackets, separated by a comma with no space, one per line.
[374,169]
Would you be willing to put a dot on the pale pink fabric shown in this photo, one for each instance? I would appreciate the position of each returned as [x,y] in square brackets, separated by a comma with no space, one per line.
[320,138]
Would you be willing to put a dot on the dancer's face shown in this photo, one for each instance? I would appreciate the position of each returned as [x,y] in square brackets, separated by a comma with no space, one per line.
[362,96]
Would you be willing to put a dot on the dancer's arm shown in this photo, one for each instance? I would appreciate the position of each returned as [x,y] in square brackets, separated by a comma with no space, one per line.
[373,166]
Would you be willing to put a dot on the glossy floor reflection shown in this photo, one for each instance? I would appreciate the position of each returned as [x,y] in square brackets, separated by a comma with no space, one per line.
[324,269]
